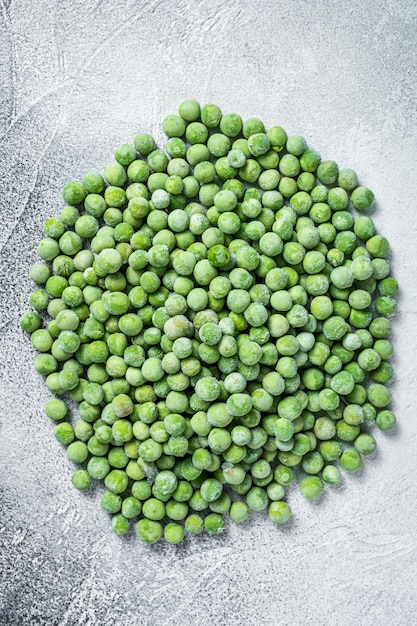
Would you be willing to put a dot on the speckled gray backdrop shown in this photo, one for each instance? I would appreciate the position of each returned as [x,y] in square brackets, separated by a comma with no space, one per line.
[77,78]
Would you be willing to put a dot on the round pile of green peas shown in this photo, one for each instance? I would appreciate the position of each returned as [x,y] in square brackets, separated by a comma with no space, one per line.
[221,317]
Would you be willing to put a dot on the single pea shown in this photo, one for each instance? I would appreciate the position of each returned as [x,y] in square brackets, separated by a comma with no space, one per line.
[385,420]
[380,328]
[362,198]
[30,321]
[239,511]
[149,530]
[73,193]
[327,172]
[64,433]
[173,126]
[311,487]
[257,499]
[331,475]
[120,524]
[388,286]
[365,444]
[338,200]
[111,502]
[258,144]
[379,395]
[116,481]
[194,524]
[93,182]
[277,137]
[214,524]
[144,143]
[56,409]
[69,215]
[77,452]
[378,246]
[279,512]
[324,428]
[350,460]
[342,382]
[81,480]
[173,533]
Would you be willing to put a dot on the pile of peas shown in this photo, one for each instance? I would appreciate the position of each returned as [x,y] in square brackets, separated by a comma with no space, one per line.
[221,318]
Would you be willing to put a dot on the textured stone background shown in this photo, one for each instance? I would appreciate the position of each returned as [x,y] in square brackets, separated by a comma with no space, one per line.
[76,79]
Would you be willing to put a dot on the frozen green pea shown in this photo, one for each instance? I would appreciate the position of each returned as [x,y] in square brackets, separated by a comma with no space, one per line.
[311,487]
[385,420]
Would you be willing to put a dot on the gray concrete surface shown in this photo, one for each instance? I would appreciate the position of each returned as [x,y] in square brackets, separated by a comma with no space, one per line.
[76,79]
